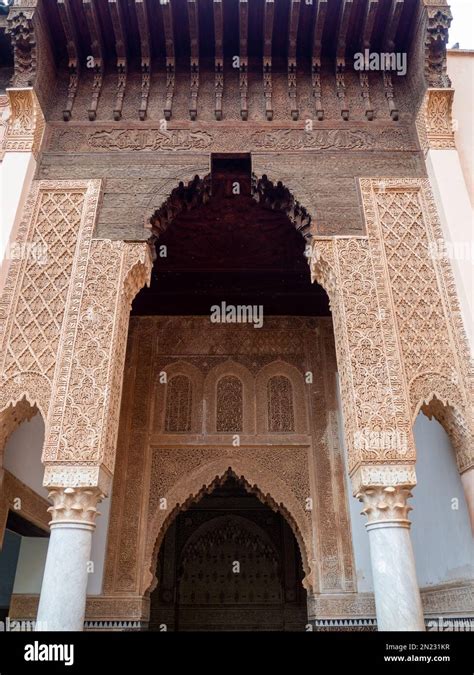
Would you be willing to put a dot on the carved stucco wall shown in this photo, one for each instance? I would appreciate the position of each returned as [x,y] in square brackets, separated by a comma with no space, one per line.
[87,301]
[63,313]
[286,469]
[405,232]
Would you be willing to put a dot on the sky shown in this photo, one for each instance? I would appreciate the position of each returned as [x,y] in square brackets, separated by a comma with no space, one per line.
[462,27]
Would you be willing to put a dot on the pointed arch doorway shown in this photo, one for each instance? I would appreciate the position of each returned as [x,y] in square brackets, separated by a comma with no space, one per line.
[227,563]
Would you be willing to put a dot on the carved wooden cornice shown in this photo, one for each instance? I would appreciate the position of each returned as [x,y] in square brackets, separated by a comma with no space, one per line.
[118,23]
[343,28]
[70,30]
[219,58]
[144,30]
[267,57]
[93,24]
[319,21]
[243,58]
[292,43]
[194,64]
[167,14]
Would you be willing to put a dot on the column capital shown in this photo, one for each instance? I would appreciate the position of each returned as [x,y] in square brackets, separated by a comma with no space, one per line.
[74,506]
[385,506]
[384,491]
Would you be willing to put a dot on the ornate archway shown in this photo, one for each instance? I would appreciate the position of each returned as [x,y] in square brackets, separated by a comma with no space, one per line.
[228,561]
[256,479]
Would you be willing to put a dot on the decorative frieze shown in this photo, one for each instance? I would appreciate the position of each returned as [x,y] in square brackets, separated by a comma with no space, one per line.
[84,139]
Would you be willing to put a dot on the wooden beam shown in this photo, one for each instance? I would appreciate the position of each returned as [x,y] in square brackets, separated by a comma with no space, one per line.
[319,21]
[72,43]
[170,56]
[367,30]
[343,29]
[144,30]
[243,57]
[267,57]
[118,23]
[341,56]
[194,65]
[369,20]
[292,45]
[393,22]
[218,57]
[93,24]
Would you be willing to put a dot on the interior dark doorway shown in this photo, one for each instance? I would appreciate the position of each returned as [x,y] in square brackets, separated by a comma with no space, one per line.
[228,563]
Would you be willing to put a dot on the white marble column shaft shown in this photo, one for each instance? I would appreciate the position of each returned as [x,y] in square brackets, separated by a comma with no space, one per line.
[397,595]
[63,591]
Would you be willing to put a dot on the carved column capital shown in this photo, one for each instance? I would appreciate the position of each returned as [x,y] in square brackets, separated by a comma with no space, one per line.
[384,492]
[385,505]
[74,506]
[25,126]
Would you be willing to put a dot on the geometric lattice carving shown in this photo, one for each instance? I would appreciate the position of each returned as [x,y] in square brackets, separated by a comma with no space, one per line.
[402,219]
[229,414]
[178,404]
[414,282]
[39,307]
[280,404]
[33,302]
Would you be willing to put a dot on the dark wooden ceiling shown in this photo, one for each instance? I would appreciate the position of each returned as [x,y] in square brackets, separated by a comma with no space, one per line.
[390,21]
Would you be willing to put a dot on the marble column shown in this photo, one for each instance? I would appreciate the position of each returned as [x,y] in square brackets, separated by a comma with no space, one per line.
[397,595]
[63,592]
[467,479]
